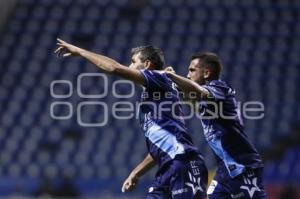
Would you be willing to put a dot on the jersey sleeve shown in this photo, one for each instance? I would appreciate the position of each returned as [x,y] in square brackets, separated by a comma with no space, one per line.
[154,80]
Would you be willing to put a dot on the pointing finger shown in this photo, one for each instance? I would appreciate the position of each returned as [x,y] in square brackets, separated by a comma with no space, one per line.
[60,40]
[67,54]
[58,49]
[124,187]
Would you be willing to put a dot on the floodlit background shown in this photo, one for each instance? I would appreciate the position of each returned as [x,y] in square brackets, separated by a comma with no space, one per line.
[43,149]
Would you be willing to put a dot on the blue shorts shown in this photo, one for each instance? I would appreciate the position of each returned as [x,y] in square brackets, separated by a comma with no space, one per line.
[183,178]
[245,186]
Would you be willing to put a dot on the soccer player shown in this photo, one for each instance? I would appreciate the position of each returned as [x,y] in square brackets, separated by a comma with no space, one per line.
[182,172]
[240,168]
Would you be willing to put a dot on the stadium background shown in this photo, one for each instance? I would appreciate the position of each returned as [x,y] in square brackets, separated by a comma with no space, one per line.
[258,41]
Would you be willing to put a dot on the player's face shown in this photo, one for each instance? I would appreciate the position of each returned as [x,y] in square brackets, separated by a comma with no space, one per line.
[136,62]
[196,72]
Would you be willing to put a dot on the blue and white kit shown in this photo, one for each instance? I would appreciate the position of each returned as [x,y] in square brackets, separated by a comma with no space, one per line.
[239,173]
[182,172]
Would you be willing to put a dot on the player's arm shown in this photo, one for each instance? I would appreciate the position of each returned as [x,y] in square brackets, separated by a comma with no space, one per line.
[189,86]
[107,64]
[139,171]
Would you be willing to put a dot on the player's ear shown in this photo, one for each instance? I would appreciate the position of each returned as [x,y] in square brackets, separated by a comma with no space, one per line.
[149,65]
[207,73]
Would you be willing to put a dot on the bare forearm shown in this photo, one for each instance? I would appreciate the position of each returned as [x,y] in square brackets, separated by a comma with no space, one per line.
[188,86]
[105,63]
[144,166]
[111,66]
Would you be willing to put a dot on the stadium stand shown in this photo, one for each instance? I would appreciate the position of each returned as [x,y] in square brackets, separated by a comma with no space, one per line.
[258,41]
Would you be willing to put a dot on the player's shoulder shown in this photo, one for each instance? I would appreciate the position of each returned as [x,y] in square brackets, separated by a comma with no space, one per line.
[157,79]
[156,74]
[221,85]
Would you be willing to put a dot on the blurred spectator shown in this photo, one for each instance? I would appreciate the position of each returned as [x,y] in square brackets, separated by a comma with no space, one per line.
[289,192]
[46,189]
[66,188]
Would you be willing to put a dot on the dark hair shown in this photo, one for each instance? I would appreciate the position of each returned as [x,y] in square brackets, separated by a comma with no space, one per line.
[151,53]
[209,60]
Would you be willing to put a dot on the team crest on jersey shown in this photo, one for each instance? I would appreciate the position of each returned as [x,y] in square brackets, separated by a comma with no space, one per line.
[195,184]
[250,186]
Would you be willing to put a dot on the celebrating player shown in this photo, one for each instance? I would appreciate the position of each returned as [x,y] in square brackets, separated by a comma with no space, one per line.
[240,168]
[181,173]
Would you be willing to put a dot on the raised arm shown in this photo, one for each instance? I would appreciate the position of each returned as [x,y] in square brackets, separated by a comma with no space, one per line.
[188,86]
[107,64]
[139,171]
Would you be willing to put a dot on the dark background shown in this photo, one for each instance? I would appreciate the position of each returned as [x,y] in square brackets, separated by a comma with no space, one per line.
[258,42]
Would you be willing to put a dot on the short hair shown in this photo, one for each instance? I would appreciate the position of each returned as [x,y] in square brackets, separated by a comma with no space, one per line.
[151,53]
[209,60]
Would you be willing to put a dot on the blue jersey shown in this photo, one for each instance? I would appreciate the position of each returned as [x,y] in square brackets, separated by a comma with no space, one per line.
[224,131]
[161,119]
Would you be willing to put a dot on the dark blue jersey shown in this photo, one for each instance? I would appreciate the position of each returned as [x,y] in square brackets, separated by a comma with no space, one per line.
[224,130]
[161,118]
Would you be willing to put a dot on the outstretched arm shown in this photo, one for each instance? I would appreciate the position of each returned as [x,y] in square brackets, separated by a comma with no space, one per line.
[107,64]
[140,170]
[188,86]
